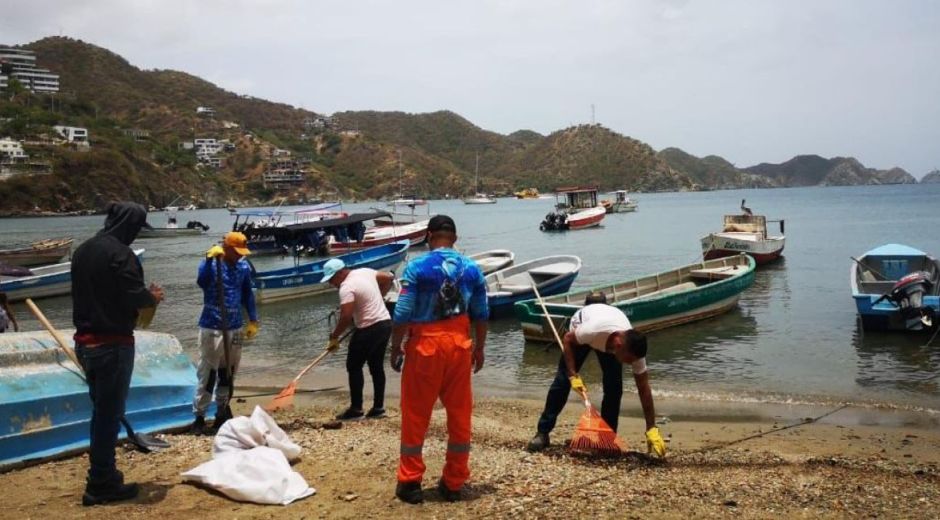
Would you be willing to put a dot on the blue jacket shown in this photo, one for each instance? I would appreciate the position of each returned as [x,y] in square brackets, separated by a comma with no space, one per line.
[421,285]
[236,281]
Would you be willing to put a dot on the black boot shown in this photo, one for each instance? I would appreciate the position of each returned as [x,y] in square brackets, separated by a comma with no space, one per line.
[198,427]
[447,493]
[409,492]
[538,443]
[111,490]
[221,416]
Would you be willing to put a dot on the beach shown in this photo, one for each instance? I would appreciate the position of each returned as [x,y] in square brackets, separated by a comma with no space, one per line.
[848,462]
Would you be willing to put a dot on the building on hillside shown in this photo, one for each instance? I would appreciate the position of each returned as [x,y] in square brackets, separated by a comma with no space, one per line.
[137,134]
[11,150]
[318,123]
[73,134]
[205,111]
[280,153]
[20,64]
[284,173]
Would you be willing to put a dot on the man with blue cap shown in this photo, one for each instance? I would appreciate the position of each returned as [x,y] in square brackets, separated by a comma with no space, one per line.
[361,304]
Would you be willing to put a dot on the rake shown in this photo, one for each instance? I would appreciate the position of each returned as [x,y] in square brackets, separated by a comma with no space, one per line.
[285,399]
[592,436]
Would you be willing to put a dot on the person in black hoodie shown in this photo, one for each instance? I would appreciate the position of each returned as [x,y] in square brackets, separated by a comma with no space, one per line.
[107,291]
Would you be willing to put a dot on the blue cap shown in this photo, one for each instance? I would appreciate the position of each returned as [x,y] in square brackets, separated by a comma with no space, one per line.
[331,267]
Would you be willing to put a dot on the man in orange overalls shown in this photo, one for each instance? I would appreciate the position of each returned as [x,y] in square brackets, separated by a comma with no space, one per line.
[442,294]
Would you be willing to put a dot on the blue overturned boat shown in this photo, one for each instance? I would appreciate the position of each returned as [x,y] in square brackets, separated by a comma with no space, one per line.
[304,279]
[551,274]
[44,405]
[42,282]
[896,287]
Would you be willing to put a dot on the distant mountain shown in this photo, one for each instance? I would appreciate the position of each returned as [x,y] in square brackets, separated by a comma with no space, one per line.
[931,178]
[712,172]
[813,170]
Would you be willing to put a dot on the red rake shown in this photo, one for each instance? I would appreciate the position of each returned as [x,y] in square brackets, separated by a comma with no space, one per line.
[592,436]
[285,399]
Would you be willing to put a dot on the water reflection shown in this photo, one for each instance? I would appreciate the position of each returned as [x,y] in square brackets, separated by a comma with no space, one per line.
[897,361]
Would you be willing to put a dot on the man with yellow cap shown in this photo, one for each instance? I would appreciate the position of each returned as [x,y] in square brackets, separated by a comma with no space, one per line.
[225,278]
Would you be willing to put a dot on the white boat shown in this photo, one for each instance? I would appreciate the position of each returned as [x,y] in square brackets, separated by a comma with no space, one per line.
[551,274]
[401,199]
[621,203]
[745,233]
[579,210]
[172,228]
[51,280]
[416,233]
[479,197]
[493,260]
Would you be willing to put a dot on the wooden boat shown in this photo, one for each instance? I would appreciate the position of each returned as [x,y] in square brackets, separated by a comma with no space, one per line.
[657,301]
[493,260]
[41,252]
[621,203]
[416,233]
[172,229]
[50,280]
[745,233]
[896,287]
[304,279]
[578,210]
[551,274]
[44,405]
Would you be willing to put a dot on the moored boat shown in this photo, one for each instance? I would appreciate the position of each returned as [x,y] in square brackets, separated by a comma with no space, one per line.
[896,287]
[493,260]
[479,198]
[550,274]
[42,282]
[527,193]
[657,301]
[172,229]
[744,233]
[416,233]
[621,203]
[578,210]
[44,405]
[41,252]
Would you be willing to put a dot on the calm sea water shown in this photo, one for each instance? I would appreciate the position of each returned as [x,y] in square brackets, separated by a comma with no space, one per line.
[793,338]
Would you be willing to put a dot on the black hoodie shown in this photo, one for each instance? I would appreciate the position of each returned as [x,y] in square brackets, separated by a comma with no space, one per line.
[107,278]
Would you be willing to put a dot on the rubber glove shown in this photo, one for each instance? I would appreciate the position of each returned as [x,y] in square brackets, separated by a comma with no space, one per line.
[251,330]
[577,385]
[655,443]
[215,252]
[333,345]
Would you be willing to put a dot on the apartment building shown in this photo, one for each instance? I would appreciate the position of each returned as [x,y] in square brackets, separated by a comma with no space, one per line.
[20,64]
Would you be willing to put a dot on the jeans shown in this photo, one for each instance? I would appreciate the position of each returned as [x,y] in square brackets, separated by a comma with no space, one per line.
[612,371]
[368,346]
[108,371]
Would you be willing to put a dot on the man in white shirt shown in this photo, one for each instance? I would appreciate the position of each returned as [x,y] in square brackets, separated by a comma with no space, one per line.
[361,304]
[607,331]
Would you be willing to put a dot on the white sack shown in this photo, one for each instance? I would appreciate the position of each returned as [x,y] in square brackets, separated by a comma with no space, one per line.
[242,433]
[261,475]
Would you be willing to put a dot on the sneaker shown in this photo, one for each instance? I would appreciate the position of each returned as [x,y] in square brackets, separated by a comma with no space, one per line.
[198,427]
[447,493]
[349,415]
[538,443]
[113,490]
[409,492]
[375,413]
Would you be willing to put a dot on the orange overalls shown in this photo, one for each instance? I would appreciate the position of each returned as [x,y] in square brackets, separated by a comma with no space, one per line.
[437,365]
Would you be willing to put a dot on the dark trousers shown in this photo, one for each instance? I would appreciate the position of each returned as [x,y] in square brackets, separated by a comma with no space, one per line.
[108,371]
[368,346]
[612,370]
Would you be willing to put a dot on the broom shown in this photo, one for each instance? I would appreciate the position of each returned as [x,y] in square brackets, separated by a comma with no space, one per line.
[285,398]
[592,436]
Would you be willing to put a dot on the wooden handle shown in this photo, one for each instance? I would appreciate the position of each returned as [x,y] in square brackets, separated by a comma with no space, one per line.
[561,345]
[55,334]
[319,358]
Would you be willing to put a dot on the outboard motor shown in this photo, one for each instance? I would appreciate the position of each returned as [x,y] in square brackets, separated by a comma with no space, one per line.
[193,224]
[908,294]
[554,222]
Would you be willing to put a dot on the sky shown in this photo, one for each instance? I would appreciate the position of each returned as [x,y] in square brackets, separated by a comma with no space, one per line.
[750,80]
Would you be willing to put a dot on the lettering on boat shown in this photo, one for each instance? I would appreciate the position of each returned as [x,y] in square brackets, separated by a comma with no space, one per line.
[737,246]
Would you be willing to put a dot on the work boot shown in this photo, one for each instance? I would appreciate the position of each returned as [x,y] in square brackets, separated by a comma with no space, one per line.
[447,493]
[375,413]
[409,492]
[349,414]
[222,415]
[112,490]
[198,427]
[538,443]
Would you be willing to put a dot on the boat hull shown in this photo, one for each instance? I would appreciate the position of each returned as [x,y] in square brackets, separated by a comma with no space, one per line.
[169,232]
[416,234]
[40,253]
[48,281]
[44,405]
[501,305]
[894,261]
[720,245]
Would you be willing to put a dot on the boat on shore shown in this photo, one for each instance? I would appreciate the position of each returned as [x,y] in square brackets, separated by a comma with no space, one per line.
[550,274]
[42,282]
[578,209]
[621,203]
[44,405]
[305,279]
[652,302]
[41,252]
[896,288]
[745,233]
[493,260]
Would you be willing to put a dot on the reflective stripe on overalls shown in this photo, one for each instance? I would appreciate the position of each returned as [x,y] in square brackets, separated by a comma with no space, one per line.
[437,365]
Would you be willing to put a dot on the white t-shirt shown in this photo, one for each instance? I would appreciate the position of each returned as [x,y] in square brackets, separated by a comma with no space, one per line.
[594,323]
[362,289]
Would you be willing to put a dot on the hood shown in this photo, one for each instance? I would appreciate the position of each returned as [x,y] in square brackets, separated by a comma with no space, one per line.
[124,221]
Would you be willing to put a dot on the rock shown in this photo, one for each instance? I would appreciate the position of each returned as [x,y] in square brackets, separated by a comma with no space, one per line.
[731,503]
[350,497]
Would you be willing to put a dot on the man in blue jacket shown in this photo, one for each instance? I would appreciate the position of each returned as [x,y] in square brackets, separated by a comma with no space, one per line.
[219,325]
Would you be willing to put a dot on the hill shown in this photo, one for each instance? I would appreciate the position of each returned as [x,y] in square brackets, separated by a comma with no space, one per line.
[931,178]
[813,170]
[712,172]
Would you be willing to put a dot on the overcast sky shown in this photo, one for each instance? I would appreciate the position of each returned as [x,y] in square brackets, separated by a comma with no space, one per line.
[749,80]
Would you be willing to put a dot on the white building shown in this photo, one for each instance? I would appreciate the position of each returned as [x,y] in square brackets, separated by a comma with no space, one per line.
[11,149]
[72,134]
[21,65]
[205,111]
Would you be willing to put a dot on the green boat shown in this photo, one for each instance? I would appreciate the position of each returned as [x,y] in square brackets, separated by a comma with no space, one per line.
[657,301]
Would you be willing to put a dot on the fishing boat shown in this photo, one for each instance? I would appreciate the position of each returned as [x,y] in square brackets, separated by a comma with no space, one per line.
[42,282]
[479,197]
[621,203]
[745,233]
[493,260]
[305,279]
[896,287]
[527,193]
[657,301]
[253,222]
[172,229]
[416,233]
[41,252]
[44,405]
[576,207]
[550,274]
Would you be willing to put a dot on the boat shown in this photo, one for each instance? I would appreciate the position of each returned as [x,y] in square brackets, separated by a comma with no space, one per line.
[493,260]
[745,233]
[578,210]
[401,199]
[172,229]
[305,279]
[402,213]
[479,197]
[250,222]
[896,288]
[621,203]
[550,274]
[527,193]
[42,282]
[44,405]
[41,252]
[652,302]
[416,233]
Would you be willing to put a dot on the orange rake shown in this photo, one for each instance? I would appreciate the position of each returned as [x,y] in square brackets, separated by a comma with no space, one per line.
[592,436]
[285,399]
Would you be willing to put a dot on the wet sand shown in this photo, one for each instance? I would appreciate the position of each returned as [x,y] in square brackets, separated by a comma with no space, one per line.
[851,462]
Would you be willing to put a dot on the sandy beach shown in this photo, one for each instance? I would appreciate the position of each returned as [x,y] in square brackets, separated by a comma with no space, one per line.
[851,462]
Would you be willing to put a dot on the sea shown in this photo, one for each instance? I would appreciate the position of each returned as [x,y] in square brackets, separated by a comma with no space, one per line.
[794,337]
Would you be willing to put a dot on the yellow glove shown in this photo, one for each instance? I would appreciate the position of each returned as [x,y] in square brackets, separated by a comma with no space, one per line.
[655,443]
[251,330]
[333,345]
[577,385]
[215,252]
